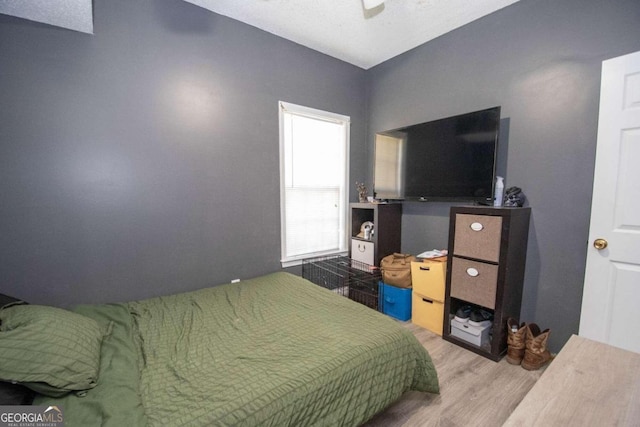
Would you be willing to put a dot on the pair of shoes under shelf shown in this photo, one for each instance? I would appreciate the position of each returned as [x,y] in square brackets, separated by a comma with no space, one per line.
[463,313]
[475,317]
[480,318]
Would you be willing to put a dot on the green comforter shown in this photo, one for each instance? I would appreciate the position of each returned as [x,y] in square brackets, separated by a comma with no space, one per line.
[272,351]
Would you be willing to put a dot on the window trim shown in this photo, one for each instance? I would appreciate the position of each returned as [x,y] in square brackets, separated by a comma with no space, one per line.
[287,107]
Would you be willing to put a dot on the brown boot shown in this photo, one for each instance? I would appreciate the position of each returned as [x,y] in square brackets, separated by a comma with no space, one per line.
[536,354]
[515,341]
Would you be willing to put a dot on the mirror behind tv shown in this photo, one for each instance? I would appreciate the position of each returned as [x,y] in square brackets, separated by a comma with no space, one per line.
[450,159]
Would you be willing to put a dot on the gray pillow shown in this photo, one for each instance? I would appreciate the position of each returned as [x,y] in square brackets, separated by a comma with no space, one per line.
[50,350]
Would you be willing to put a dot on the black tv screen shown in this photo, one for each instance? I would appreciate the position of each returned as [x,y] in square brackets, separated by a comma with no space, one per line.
[451,159]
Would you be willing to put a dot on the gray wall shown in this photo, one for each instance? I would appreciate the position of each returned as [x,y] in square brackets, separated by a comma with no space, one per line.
[540,60]
[143,160]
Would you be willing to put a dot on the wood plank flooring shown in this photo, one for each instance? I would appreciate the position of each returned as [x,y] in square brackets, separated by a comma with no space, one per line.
[474,391]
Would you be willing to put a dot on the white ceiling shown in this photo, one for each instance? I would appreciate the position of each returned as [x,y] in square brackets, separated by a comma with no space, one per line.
[344,30]
[72,14]
[339,28]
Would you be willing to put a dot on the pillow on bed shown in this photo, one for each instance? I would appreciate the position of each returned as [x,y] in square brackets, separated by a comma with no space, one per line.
[50,350]
[13,394]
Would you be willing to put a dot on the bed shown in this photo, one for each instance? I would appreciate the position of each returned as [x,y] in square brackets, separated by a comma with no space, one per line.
[271,351]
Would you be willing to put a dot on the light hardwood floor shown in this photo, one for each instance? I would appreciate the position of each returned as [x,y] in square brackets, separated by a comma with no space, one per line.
[474,391]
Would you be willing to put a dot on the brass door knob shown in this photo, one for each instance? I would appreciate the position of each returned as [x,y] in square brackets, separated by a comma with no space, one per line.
[600,244]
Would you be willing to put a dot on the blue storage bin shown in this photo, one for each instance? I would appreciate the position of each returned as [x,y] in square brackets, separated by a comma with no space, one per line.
[395,302]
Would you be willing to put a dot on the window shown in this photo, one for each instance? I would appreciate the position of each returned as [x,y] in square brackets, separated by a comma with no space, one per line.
[390,153]
[314,164]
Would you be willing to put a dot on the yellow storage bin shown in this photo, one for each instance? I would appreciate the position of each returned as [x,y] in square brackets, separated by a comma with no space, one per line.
[428,279]
[427,313]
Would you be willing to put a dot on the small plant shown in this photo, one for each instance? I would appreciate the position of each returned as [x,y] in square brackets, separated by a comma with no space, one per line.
[362,191]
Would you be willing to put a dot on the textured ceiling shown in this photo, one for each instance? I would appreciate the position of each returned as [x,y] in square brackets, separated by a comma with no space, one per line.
[72,14]
[344,30]
[339,28]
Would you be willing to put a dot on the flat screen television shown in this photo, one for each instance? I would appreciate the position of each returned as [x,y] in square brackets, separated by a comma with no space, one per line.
[450,159]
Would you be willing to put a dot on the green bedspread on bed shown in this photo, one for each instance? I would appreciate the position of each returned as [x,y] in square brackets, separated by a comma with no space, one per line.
[272,351]
[115,401]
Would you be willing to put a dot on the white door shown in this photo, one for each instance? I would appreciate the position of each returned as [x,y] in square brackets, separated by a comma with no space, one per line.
[611,296]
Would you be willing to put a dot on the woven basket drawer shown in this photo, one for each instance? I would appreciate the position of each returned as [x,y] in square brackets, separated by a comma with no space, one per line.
[478,236]
[475,282]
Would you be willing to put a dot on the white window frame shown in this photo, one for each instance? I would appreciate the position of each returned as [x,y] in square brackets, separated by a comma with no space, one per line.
[286,107]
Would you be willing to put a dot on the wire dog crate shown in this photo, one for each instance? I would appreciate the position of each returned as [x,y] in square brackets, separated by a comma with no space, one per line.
[353,279]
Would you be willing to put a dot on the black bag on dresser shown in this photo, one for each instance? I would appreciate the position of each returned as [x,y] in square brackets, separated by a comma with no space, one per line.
[396,269]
